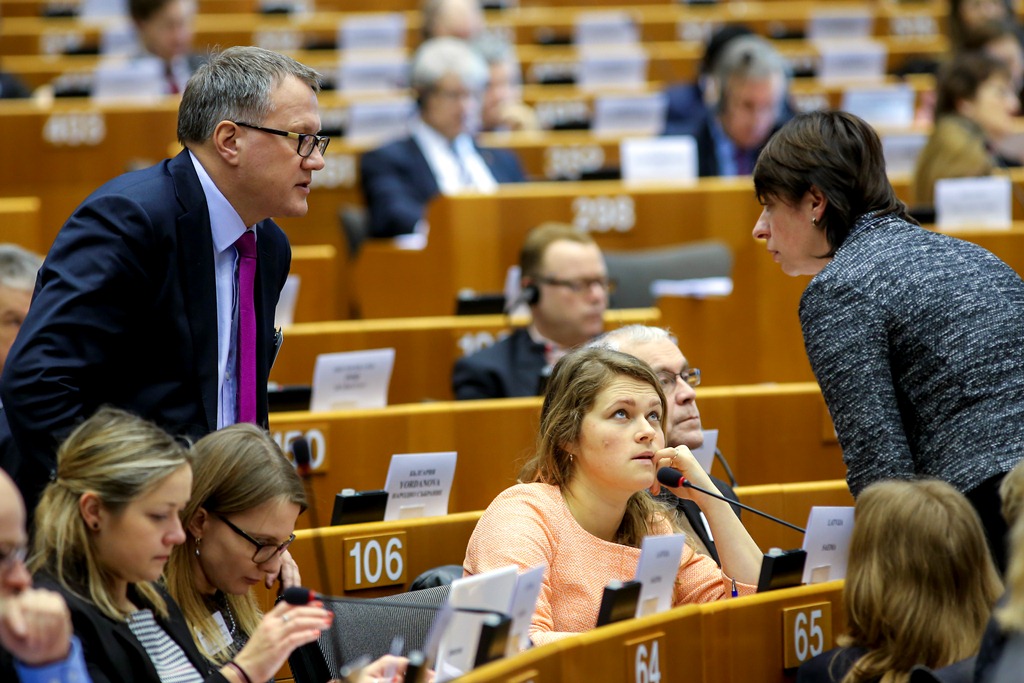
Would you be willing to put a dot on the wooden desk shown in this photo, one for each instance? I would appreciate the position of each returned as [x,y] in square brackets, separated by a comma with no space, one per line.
[719,642]
[323,285]
[20,218]
[426,349]
[770,434]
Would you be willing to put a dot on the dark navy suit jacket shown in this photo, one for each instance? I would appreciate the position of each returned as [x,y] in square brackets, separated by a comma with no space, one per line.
[512,367]
[397,183]
[124,314]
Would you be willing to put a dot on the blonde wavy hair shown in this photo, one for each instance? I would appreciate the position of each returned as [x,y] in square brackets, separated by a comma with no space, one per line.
[119,457]
[236,469]
[576,381]
[920,582]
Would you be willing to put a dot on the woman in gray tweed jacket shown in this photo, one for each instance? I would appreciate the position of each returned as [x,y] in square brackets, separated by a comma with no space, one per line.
[916,338]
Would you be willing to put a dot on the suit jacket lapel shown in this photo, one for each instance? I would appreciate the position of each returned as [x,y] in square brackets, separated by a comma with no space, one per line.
[197,276]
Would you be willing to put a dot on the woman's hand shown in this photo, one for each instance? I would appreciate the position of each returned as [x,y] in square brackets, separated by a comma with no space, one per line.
[288,573]
[681,459]
[281,630]
[387,669]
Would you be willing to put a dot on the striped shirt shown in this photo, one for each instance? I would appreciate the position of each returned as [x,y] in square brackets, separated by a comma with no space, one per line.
[172,666]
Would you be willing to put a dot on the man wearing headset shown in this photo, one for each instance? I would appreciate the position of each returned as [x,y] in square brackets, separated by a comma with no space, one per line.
[747,98]
[565,284]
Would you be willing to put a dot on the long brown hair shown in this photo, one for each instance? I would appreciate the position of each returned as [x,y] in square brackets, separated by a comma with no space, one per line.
[576,381]
[236,469]
[920,582]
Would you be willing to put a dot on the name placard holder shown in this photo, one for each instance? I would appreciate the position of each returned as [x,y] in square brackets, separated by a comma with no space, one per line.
[827,542]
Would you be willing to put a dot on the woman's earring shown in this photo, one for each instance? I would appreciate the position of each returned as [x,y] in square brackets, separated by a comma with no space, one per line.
[814,221]
[570,457]
[197,546]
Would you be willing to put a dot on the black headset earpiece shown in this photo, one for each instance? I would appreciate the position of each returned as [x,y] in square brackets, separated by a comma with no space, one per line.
[530,294]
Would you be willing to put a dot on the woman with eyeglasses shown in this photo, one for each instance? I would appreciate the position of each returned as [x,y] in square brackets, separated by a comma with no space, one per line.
[105,529]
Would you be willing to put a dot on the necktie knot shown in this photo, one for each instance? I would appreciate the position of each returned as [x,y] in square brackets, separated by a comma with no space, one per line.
[246,244]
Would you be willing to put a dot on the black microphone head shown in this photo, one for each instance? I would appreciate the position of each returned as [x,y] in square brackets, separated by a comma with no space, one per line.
[297,595]
[671,478]
[301,454]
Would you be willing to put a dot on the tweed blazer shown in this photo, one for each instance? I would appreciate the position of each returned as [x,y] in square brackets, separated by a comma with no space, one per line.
[917,341]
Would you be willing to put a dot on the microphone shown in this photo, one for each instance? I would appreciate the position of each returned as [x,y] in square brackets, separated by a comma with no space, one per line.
[675,479]
[298,595]
[303,465]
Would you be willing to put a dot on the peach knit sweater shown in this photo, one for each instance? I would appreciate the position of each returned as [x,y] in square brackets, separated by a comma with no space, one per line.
[530,524]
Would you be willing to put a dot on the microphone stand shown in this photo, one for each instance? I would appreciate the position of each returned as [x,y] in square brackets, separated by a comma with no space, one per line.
[686,482]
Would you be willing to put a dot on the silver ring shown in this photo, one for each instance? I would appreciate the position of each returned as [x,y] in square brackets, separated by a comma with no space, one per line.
[284,618]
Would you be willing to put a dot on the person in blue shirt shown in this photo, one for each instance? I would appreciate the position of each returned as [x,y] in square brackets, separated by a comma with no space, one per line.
[35,624]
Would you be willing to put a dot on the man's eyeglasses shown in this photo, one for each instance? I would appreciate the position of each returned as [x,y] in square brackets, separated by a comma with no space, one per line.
[667,379]
[581,285]
[307,142]
[264,551]
[10,555]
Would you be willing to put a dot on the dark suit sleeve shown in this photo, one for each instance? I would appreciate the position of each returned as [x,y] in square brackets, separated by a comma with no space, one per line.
[472,380]
[393,199]
[94,280]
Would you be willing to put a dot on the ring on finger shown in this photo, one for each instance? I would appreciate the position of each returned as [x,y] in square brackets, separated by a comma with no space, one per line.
[284,618]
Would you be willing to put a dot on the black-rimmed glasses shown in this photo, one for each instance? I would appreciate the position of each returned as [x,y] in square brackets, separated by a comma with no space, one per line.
[11,555]
[307,142]
[667,379]
[264,551]
[581,285]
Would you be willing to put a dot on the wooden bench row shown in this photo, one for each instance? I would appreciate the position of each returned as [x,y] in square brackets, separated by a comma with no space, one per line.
[772,433]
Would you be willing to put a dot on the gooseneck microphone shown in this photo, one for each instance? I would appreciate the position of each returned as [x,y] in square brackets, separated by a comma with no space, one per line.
[303,465]
[675,479]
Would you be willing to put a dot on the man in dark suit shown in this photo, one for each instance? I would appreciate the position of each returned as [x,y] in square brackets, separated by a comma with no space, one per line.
[440,156]
[658,348]
[149,299]
[565,283]
[750,85]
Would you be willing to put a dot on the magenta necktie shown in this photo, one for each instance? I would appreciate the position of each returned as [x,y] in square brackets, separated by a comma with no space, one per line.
[246,246]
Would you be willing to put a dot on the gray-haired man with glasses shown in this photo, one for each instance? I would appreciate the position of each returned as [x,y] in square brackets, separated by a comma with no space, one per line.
[158,294]
[36,637]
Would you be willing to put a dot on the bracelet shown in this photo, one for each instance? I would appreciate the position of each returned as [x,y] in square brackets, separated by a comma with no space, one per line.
[241,672]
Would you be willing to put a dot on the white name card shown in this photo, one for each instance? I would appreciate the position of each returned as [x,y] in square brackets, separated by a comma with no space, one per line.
[693,288]
[490,591]
[284,314]
[379,122]
[352,379]
[642,114]
[705,455]
[849,22]
[619,66]
[888,105]
[901,150]
[827,543]
[419,485]
[90,11]
[658,159]
[973,202]
[130,79]
[605,28]
[656,571]
[851,61]
[373,31]
[524,604]
[373,71]
[118,38]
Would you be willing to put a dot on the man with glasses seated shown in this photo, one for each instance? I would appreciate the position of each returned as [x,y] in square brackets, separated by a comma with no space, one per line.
[439,156]
[35,624]
[565,284]
[658,348]
[158,294]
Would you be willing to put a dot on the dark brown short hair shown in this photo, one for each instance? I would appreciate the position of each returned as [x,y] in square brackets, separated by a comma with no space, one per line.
[959,80]
[540,238]
[840,155]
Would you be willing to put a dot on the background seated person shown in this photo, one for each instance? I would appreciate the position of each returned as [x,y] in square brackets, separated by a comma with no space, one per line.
[503,108]
[35,625]
[974,109]
[747,103]
[440,155]
[920,585]
[453,19]
[584,509]
[164,28]
[104,530]
[12,87]
[658,348]
[565,283]
[18,268]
